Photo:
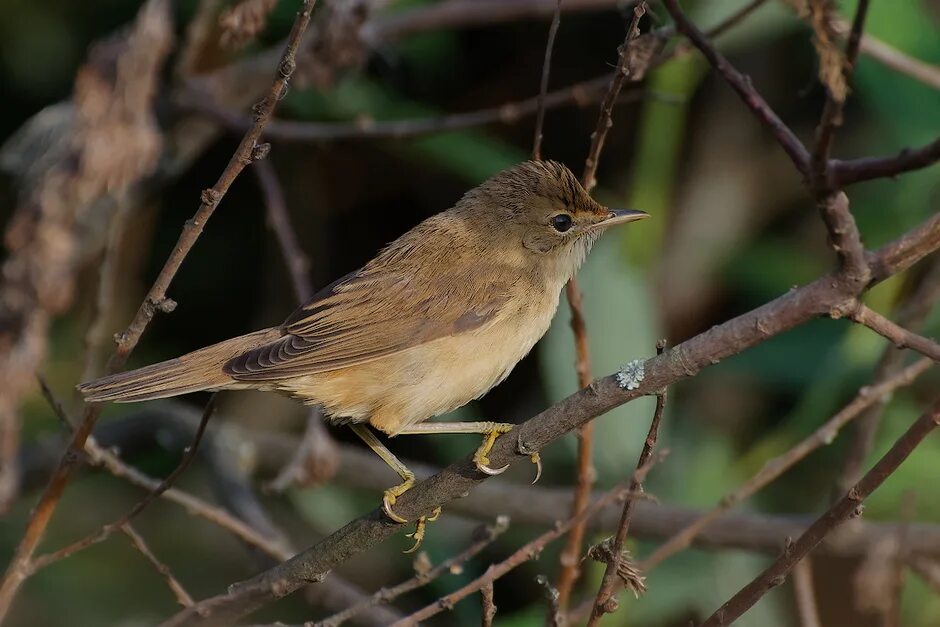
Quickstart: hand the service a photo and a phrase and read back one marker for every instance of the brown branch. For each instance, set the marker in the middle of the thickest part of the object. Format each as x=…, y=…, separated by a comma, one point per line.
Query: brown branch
x=105, y=532
x=797, y=306
x=898, y=335
x=489, y=606
x=528, y=552
x=629, y=65
x=847, y=507
x=742, y=85
x=911, y=314
x=774, y=468
x=805, y=596
x=543, y=86
x=605, y=593
x=853, y=171
x=554, y=618
x=484, y=536
x=179, y=592
x=156, y=299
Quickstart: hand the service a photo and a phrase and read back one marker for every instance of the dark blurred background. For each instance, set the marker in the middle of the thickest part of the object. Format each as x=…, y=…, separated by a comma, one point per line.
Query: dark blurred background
x=732, y=228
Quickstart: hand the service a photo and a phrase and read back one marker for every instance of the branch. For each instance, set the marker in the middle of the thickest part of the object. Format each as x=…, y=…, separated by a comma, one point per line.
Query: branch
x=543, y=86
x=853, y=171
x=899, y=336
x=742, y=85
x=631, y=64
x=774, y=468
x=684, y=360
x=847, y=507
x=485, y=535
x=182, y=597
x=156, y=299
x=806, y=606
x=105, y=532
x=605, y=592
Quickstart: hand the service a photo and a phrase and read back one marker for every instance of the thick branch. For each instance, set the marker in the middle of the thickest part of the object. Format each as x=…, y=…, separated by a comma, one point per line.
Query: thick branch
x=685, y=360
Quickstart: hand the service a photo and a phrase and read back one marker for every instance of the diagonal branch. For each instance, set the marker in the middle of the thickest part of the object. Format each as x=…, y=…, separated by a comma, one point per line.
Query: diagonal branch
x=898, y=335
x=848, y=506
x=868, y=168
x=742, y=85
x=684, y=360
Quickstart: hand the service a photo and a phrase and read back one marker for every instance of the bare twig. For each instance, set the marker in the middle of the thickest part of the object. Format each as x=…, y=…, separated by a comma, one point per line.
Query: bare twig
x=869, y=168
x=485, y=535
x=528, y=552
x=628, y=66
x=848, y=506
x=605, y=593
x=898, y=335
x=182, y=597
x=543, y=86
x=155, y=300
x=742, y=85
x=489, y=607
x=772, y=469
x=911, y=314
x=105, y=532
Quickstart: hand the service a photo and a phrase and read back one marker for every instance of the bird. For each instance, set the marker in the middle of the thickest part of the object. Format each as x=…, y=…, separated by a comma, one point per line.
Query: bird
x=438, y=318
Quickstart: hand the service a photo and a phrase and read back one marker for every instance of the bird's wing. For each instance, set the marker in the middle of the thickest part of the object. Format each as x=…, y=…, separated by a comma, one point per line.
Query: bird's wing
x=368, y=315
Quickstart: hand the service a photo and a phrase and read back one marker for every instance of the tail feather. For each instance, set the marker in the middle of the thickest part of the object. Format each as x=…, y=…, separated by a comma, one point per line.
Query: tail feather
x=193, y=372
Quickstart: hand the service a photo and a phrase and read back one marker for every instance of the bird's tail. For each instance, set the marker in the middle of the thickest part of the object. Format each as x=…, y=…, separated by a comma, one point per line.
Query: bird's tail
x=193, y=372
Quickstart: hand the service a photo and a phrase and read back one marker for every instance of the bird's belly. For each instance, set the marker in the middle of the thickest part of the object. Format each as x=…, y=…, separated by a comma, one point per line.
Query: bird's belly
x=434, y=378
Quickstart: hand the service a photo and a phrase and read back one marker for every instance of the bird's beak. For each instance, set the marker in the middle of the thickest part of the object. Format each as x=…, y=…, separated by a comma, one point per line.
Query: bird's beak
x=620, y=216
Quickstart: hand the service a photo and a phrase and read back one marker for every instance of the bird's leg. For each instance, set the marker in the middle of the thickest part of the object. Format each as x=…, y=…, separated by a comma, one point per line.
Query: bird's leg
x=392, y=494
x=491, y=430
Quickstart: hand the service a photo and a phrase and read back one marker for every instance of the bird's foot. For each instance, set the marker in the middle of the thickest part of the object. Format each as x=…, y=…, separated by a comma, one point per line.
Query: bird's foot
x=480, y=459
x=392, y=494
x=420, y=528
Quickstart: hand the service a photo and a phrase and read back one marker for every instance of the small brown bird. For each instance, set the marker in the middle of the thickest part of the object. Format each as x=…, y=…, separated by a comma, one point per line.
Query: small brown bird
x=438, y=318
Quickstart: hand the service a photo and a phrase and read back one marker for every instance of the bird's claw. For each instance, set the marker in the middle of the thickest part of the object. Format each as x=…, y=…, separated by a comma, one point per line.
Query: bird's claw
x=537, y=460
x=420, y=529
x=387, y=501
x=482, y=464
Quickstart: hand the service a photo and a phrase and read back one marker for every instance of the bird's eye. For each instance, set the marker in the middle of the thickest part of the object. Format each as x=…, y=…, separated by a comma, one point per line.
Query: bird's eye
x=561, y=222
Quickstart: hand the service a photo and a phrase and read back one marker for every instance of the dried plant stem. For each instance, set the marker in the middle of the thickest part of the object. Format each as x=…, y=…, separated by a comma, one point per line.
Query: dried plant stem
x=156, y=299
x=848, y=506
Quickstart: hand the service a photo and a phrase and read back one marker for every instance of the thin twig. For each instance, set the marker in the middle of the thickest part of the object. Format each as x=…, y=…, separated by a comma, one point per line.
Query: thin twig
x=155, y=300
x=847, y=507
x=543, y=86
x=774, y=468
x=911, y=314
x=605, y=592
x=486, y=535
x=571, y=554
x=554, y=618
x=105, y=532
x=869, y=168
x=528, y=552
x=898, y=335
x=182, y=597
x=742, y=85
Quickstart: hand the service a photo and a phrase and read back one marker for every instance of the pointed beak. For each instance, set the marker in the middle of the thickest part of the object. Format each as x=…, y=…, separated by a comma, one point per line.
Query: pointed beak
x=620, y=216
